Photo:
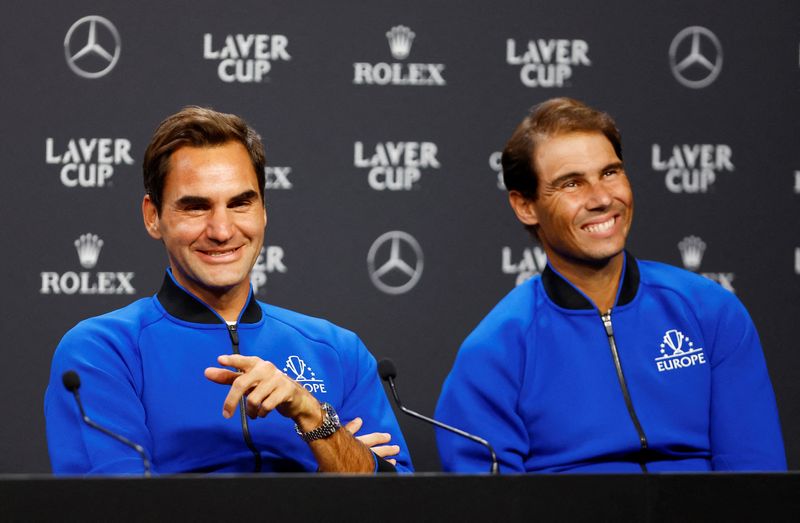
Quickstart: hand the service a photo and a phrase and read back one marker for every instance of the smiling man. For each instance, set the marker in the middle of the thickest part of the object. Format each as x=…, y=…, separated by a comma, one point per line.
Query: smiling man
x=169, y=372
x=604, y=363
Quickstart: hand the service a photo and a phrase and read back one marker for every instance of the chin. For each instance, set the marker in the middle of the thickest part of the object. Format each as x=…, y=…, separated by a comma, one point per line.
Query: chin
x=223, y=281
x=601, y=257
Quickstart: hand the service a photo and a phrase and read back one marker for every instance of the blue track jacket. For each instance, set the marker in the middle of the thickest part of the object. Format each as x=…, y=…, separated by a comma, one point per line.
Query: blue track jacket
x=141, y=369
x=674, y=379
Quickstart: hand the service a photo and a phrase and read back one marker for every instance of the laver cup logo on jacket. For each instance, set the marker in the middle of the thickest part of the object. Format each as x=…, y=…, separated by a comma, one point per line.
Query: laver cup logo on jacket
x=297, y=369
x=678, y=352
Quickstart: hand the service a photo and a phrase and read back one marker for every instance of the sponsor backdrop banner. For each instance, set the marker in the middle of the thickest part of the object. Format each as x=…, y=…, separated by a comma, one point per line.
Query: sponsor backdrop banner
x=383, y=123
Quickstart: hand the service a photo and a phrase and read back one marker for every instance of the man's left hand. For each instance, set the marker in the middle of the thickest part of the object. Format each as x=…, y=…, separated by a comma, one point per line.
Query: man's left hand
x=375, y=441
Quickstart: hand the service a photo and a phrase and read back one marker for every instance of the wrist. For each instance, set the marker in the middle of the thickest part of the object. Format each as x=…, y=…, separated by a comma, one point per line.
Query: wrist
x=311, y=417
x=327, y=427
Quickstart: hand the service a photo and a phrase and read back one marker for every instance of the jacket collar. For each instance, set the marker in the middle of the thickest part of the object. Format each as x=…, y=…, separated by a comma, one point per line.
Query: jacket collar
x=181, y=304
x=567, y=296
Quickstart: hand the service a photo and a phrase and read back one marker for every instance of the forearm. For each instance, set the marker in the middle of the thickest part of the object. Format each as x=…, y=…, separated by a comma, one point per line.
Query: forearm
x=339, y=452
x=342, y=452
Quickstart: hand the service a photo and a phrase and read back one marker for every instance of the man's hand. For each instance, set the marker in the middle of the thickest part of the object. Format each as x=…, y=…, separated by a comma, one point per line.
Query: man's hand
x=267, y=389
x=376, y=441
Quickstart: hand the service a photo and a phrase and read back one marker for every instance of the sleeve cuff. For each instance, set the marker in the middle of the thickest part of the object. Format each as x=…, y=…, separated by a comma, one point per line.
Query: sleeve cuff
x=381, y=465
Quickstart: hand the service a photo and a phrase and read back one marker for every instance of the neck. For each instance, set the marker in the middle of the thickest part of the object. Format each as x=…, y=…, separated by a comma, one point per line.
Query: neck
x=600, y=282
x=227, y=302
x=227, y=305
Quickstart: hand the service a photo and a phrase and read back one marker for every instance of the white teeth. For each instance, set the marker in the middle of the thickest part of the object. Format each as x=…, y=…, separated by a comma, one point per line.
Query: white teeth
x=220, y=253
x=600, y=227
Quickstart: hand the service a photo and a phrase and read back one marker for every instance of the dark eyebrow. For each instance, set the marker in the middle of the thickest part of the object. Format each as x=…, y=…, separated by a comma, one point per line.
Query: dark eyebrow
x=189, y=201
x=614, y=165
x=245, y=196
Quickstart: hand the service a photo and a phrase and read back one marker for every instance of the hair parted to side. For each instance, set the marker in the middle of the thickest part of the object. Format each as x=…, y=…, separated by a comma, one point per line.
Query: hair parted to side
x=545, y=120
x=197, y=127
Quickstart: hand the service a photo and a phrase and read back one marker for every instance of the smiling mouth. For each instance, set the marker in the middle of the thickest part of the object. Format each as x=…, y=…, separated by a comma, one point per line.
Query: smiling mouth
x=600, y=227
x=218, y=254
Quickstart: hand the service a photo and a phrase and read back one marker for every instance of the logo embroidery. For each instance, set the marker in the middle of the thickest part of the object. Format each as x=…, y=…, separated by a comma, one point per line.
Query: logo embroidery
x=298, y=367
x=681, y=355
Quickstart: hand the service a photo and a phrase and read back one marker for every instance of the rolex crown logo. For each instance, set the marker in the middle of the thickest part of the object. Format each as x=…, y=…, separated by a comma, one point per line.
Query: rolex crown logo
x=88, y=246
x=692, y=249
x=400, y=38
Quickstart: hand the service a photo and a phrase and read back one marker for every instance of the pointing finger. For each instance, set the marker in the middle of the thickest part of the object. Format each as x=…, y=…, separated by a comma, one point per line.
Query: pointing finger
x=244, y=363
x=221, y=376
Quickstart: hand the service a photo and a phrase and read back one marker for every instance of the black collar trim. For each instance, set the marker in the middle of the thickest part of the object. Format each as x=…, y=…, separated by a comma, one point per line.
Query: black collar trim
x=565, y=295
x=179, y=303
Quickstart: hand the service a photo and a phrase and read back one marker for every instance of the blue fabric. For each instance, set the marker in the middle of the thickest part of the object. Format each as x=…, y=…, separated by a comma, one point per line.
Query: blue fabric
x=538, y=381
x=142, y=377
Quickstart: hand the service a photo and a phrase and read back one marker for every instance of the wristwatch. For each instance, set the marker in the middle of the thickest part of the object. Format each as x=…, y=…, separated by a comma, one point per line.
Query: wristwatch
x=330, y=424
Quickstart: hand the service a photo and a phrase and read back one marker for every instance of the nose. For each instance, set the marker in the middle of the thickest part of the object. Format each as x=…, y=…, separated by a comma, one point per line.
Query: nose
x=599, y=196
x=220, y=227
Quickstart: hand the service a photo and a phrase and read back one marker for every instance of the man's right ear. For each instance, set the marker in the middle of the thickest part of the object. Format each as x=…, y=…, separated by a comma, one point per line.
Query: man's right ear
x=150, y=216
x=524, y=208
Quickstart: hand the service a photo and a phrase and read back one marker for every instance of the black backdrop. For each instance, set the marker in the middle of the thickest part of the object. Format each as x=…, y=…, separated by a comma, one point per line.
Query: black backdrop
x=711, y=147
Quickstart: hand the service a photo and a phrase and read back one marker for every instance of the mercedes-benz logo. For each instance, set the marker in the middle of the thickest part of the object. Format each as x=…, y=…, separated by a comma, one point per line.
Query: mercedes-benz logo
x=93, y=58
x=397, y=272
x=692, y=63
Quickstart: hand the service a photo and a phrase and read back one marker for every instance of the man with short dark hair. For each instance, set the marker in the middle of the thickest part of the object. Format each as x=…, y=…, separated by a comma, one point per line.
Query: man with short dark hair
x=152, y=371
x=604, y=363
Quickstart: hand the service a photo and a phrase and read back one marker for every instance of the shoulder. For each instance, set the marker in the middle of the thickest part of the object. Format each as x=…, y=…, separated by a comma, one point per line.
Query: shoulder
x=132, y=317
x=109, y=342
x=708, y=298
x=669, y=278
x=516, y=309
x=114, y=328
x=505, y=327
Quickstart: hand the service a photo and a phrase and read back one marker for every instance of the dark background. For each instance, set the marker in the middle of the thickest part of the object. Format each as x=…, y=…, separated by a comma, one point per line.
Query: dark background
x=310, y=114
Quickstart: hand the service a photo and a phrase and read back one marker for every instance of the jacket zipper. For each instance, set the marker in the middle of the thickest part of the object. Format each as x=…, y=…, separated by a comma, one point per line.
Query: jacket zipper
x=623, y=384
x=248, y=440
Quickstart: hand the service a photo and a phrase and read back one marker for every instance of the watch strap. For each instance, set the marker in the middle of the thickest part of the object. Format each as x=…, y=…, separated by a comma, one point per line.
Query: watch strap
x=330, y=424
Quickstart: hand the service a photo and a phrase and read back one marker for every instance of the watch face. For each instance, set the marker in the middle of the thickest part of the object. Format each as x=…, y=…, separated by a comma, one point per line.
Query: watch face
x=332, y=415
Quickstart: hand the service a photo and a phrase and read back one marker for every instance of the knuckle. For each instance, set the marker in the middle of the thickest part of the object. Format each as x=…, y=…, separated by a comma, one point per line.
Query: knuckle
x=265, y=366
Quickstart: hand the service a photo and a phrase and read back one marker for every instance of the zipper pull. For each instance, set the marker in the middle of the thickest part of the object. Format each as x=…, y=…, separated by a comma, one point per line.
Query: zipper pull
x=607, y=323
x=234, y=335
